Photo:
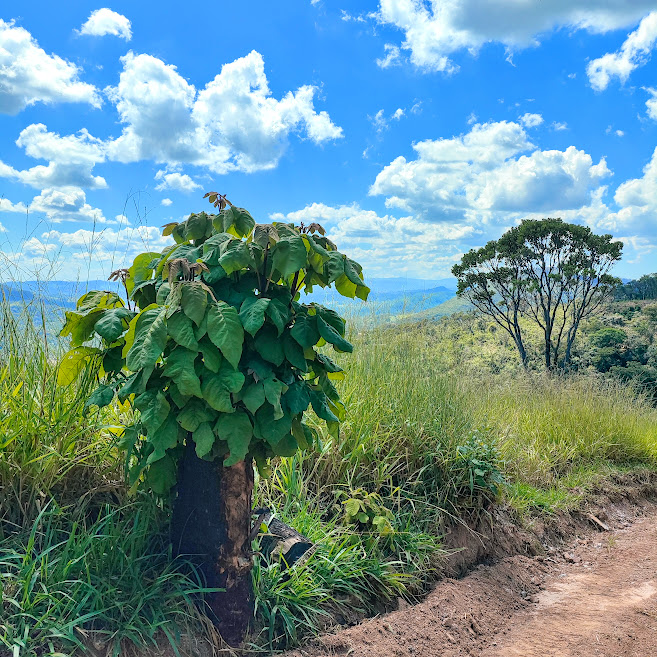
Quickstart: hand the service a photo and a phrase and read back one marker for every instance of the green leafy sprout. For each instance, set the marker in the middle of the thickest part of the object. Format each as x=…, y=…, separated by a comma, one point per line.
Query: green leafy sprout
x=213, y=344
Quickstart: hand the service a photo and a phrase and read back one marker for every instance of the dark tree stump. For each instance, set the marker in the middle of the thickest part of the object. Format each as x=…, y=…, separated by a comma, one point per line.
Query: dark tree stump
x=211, y=525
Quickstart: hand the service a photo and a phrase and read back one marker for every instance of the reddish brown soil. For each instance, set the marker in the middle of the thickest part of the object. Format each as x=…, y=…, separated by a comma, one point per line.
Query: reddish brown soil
x=594, y=597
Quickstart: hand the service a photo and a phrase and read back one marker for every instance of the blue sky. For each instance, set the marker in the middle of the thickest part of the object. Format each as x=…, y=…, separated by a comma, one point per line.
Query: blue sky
x=413, y=131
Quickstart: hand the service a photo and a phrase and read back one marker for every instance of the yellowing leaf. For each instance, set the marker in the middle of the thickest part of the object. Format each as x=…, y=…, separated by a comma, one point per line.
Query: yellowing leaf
x=73, y=362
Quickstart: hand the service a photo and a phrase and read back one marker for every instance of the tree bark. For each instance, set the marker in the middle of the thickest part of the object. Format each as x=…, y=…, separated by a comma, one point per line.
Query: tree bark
x=521, y=350
x=211, y=525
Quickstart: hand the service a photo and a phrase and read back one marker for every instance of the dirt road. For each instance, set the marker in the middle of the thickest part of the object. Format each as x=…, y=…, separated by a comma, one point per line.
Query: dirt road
x=595, y=598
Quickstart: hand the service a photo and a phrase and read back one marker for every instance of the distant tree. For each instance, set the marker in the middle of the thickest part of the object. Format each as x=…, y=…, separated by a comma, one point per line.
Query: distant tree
x=554, y=273
x=642, y=288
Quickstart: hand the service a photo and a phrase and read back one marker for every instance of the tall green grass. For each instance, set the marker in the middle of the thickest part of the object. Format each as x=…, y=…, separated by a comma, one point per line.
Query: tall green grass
x=47, y=443
x=550, y=426
x=108, y=580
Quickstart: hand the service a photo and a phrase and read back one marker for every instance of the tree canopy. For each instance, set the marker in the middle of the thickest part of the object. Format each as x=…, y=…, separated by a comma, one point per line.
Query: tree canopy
x=639, y=289
x=552, y=272
x=213, y=343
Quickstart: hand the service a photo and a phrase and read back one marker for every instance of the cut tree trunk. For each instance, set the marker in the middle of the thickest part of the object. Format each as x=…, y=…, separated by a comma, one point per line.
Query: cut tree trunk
x=211, y=525
x=282, y=542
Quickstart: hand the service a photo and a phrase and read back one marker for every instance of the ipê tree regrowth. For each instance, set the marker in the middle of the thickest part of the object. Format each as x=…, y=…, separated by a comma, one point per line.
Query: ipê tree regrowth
x=214, y=348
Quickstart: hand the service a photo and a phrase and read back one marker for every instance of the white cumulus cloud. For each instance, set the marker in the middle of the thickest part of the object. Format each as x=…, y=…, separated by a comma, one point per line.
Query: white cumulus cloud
x=233, y=123
x=105, y=21
x=85, y=253
x=634, y=52
x=435, y=29
x=70, y=159
x=29, y=75
x=530, y=120
x=66, y=204
x=483, y=175
x=181, y=182
x=386, y=243
x=7, y=206
x=651, y=104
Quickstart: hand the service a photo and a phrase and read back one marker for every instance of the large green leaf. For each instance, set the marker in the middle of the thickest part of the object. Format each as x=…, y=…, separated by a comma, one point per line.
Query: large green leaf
x=203, y=439
x=97, y=299
x=332, y=318
x=265, y=234
x=236, y=430
x=327, y=364
x=320, y=406
x=235, y=220
x=347, y=288
x=286, y=446
x=252, y=314
x=234, y=256
x=113, y=323
x=279, y=313
x=195, y=412
x=268, y=428
x=101, y=396
x=225, y=331
x=290, y=255
x=297, y=398
x=145, y=293
x=113, y=360
x=196, y=226
x=194, y=300
x=212, y=248
x=273, y=390
x=333, y=337
x=211, y=355
x=163, y=294
x=217, y=387
x=73, y=362
x=80, y=326
x=177, y=397
x=140, y=270
x=201, y=330
x=303, y=434
x=155, y=412
x=334, y=266
x=305, y=330
x=179, y=366
x=150, y=338
x=161, y=476
x=180, y=328
x=254, y=396
x=294, y=353
x=243, y=222
x=269, y=346
x=134, y=385
x=216, y=394
x=166, y=437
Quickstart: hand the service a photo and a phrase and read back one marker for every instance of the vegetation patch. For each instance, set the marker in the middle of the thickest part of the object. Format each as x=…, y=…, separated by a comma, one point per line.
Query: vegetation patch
x=443, y=420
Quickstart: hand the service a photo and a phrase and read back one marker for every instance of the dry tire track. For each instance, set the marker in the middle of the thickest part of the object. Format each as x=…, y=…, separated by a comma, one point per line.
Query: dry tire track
x=605, y=605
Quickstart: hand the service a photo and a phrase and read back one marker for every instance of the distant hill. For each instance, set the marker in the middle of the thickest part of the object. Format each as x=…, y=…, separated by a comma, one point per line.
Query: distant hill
x=401, y=284
x=453, y=305
x=383, y=306
x=58, y=294
x=389, y=299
